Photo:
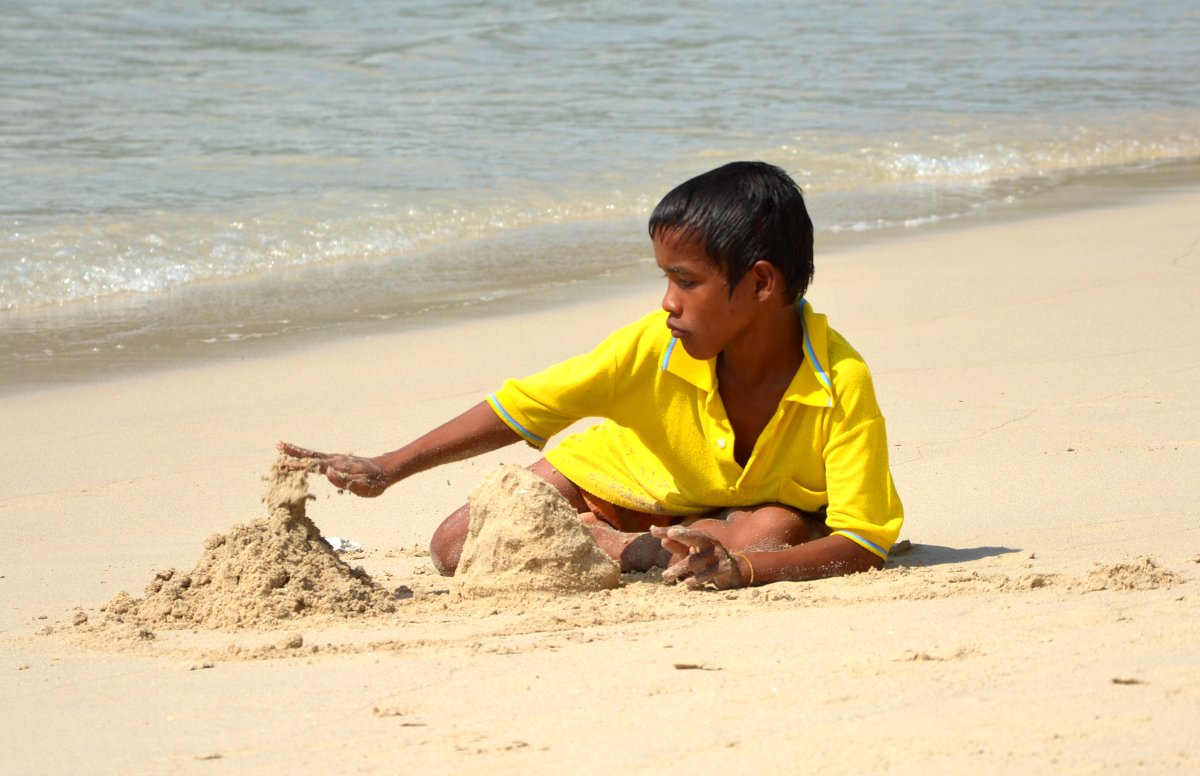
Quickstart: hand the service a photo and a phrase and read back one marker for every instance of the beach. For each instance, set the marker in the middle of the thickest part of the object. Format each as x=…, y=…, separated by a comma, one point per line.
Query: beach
x=1041, y=384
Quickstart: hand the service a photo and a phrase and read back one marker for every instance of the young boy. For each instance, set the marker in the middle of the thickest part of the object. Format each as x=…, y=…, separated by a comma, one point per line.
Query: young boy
x=741, y=442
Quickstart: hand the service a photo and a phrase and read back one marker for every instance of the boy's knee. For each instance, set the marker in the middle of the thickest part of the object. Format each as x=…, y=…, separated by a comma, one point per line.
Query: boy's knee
x=446, y=544
x=779, y=526
x=775, y=526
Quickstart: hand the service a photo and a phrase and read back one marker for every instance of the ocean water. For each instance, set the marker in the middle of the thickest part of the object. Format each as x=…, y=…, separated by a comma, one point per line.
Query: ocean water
x=184, y=181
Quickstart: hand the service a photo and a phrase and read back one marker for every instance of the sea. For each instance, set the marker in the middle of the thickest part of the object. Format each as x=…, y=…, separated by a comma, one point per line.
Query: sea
x=189, y=181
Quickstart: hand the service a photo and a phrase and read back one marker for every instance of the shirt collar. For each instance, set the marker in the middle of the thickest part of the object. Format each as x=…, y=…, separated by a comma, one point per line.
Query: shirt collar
x=811, y=385
x=680, y=363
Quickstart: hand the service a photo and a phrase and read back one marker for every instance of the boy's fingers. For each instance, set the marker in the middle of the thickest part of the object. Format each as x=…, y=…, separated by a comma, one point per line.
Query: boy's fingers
x=295, y=451
x=669, y=544
x=697, y=569
x=690, y=537
x=303, y=453
x=676, y=572
x=302, y=464
x=694, y=573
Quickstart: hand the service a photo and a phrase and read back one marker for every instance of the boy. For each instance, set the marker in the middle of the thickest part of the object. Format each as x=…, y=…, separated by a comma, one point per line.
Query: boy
x=741, y=442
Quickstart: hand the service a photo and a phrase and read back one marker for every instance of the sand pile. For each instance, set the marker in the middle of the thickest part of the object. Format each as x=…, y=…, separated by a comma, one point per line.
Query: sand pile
x=526, y=538
x=258, y=575
x=1142, y=574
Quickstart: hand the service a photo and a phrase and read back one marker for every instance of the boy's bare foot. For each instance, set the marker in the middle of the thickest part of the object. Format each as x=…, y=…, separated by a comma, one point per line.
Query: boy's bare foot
x=634, y=551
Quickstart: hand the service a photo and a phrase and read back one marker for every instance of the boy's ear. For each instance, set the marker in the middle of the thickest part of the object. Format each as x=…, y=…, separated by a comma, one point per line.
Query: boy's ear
x=765, y=276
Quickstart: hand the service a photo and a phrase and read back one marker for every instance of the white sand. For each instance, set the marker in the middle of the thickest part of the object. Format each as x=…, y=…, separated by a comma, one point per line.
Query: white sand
x=526, y=539
x=1041, y=382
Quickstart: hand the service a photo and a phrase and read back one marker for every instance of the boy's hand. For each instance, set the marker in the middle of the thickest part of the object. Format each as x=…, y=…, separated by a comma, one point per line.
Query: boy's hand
x=697, y=559
x=361, y=476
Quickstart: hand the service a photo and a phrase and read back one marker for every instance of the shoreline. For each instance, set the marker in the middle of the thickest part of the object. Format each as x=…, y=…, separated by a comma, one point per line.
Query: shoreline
x=1041, y=384
x=276, y=314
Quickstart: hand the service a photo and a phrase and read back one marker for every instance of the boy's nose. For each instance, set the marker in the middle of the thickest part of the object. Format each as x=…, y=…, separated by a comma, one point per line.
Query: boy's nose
x=669, y=303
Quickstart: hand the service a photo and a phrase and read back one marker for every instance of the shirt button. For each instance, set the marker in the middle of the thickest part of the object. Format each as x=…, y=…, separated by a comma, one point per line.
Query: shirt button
x=721, y=443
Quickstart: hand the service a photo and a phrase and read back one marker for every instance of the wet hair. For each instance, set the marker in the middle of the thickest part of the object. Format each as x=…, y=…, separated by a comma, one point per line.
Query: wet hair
x=742, y=213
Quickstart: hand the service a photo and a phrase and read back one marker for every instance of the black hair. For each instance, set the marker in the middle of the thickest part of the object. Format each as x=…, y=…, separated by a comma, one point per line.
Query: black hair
x=741, y=213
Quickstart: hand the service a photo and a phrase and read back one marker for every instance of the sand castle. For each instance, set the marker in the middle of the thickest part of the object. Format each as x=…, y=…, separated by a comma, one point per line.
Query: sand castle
x=525, y=538
x=260, y=574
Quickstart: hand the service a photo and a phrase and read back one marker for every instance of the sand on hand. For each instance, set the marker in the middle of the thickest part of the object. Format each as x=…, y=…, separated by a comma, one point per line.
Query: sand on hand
x=525, y=537
x=257, y=575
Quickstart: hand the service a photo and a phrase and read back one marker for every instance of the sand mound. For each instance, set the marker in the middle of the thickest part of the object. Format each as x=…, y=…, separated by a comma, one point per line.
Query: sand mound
x=526, y=538
x=1144, y=574
x=258, y=575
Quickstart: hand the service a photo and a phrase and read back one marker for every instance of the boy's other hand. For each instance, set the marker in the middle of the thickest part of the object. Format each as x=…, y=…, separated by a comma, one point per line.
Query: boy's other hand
x=697, y=559
x=361, y=476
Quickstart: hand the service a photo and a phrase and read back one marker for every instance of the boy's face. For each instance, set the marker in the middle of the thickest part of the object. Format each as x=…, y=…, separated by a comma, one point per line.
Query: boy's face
x=702, y=314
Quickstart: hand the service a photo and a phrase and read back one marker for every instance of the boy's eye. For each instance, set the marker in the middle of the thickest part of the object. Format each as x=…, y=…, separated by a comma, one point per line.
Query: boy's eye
x=681, y=282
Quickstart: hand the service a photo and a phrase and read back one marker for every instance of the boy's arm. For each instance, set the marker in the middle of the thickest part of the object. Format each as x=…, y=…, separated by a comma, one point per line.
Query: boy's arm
x=829, y=556
x=478, y=430
x=702, y=560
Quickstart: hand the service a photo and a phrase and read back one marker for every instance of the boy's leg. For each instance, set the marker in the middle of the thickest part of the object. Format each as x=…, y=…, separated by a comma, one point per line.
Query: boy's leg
x=633, y=550
x=623, y=533
x=446, y=544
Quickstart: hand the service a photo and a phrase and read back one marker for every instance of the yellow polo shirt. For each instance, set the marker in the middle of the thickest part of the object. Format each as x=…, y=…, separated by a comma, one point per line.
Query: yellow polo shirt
x=665, y=444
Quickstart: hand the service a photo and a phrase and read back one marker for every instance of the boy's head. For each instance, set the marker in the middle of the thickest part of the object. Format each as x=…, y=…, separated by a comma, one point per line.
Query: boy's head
x=742, y=213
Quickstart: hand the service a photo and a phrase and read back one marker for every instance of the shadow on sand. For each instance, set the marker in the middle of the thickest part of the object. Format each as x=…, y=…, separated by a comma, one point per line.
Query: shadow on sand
x=913, y=555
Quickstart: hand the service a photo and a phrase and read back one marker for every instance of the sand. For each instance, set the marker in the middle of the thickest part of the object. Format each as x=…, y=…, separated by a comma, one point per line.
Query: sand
x=272, y=571
x=526, y=539
x=1041, y=381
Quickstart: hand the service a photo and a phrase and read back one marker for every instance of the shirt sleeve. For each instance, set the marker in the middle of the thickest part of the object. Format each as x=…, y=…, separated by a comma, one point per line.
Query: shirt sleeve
x=539, y=406
x=863, y=503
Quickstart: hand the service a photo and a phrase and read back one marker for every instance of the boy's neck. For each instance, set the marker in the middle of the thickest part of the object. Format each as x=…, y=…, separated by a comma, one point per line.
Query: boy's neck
x=770, y=352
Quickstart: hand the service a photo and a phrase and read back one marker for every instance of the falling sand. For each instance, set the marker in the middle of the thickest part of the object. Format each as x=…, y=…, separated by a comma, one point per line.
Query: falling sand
x=259, y=575
x=525, y=538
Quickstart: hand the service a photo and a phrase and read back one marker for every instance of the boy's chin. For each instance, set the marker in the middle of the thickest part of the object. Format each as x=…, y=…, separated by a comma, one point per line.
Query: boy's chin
x=697, y=350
